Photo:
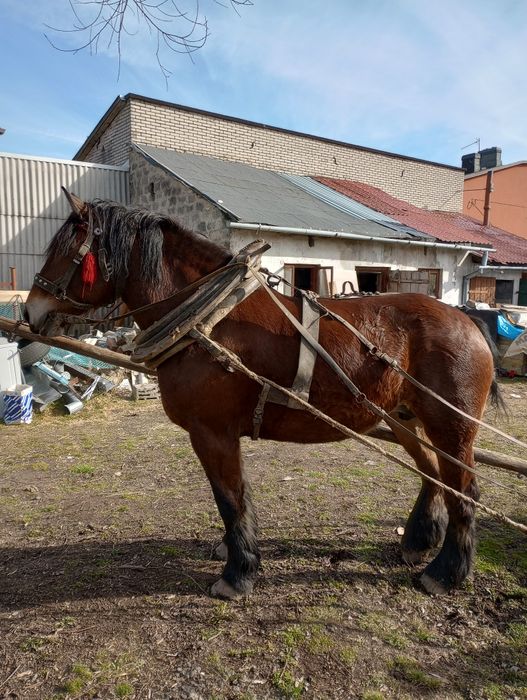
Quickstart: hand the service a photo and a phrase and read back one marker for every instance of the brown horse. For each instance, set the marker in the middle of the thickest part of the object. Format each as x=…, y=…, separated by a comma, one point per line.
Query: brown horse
x=144, y=257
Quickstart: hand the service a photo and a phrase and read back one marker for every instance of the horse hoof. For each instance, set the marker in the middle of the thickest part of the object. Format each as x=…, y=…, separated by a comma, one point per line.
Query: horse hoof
x=413, y=557
x=222, y=589
x=432, y=586
x=221, y=552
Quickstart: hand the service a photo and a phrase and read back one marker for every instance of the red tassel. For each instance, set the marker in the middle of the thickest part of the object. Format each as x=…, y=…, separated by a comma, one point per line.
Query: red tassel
x=89, y=271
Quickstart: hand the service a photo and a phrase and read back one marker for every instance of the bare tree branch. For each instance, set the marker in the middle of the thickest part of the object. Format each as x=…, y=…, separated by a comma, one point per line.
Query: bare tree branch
x=174, y=29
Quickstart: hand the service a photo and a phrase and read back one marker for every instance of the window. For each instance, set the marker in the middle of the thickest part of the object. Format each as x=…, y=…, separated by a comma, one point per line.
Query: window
x=372, y=279
x=315, y=278
x=504, y=289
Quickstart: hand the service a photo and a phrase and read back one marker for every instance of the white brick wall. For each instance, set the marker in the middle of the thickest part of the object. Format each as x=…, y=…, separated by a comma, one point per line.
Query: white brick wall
x=165, y=126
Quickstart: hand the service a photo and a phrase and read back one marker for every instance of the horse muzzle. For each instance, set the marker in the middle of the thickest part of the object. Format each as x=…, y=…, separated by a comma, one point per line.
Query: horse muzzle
x=46, y=323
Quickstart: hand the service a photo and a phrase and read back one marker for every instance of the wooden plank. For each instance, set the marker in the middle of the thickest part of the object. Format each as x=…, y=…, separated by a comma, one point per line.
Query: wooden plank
x=488, y=457
x=483, y=289
x=66, y=343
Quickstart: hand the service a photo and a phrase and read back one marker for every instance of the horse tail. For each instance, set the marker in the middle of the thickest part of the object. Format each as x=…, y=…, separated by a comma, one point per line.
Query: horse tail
x=496, y=395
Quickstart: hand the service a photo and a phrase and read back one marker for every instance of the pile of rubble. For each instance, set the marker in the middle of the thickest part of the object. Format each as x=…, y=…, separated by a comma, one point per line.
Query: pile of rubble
x=51, y=375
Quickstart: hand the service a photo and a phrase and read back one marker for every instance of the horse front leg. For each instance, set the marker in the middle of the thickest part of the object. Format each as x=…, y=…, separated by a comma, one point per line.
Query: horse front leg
x=221, y=458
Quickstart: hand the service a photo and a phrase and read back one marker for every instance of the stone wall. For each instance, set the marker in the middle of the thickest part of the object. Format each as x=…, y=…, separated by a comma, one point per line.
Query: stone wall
x=153, y=188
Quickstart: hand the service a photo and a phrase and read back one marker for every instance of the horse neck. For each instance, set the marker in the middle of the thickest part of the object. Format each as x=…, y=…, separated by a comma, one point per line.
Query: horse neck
x=186, y=258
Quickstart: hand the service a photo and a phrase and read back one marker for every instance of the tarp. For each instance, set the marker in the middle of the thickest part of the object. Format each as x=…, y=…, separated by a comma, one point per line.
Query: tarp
x=507, y=329
x=518, y=346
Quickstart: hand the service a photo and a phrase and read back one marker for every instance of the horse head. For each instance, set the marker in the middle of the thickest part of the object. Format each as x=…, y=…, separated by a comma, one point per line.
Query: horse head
x=75, y=276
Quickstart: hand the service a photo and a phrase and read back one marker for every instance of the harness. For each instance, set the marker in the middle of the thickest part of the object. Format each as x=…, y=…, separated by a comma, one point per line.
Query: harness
x=59, y=287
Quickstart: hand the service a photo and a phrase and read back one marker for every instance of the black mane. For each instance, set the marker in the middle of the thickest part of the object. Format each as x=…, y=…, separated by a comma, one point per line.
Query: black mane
x=120, y=226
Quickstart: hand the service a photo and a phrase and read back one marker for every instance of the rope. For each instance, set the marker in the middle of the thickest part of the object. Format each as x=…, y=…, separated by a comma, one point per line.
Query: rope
x=234, y=361
x=390, y=361
x=357, y=393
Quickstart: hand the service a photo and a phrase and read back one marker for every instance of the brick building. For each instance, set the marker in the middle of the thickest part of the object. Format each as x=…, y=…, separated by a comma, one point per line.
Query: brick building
x=498, y=196
x=143, y=120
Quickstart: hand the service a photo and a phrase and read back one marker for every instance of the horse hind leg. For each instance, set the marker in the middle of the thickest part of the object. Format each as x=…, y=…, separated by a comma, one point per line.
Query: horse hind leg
x=221, y=458
x=427, y=522
x=453, y=563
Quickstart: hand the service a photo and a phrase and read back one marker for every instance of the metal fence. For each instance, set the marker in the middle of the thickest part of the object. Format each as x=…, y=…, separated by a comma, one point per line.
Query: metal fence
x=32, y=206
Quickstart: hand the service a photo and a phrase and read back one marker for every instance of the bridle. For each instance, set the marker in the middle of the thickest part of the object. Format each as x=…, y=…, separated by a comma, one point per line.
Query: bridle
x=58, y=288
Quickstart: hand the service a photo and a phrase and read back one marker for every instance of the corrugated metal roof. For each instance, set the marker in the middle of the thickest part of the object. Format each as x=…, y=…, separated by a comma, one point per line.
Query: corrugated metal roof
x=32, y=206
x=350, y=206
x=253, y=195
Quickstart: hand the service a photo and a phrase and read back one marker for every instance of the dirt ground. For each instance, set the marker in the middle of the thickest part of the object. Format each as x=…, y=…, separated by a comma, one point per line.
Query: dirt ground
x=107, y=530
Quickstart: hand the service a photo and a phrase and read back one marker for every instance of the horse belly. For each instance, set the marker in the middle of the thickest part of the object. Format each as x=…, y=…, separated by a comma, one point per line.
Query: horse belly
x=289, y=425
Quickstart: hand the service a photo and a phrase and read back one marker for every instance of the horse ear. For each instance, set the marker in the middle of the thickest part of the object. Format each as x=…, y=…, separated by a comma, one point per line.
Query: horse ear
x=76, y=204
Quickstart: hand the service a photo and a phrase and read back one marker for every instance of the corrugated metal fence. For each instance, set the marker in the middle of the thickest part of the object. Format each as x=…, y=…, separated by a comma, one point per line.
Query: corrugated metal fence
x=33, y=207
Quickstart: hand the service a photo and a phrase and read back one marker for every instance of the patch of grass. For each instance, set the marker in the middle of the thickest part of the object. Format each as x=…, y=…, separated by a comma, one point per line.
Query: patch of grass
x=221, y=612
x=517, y=633
x=367, y=517
x=372, y=695
x=168, y=550
x=409, y=670
x=39, y=466
x=316, y=474
x=73, y=686
x=293, y=637
x=83, y=469
x=494, y=691
x=81, y=676
x=111, y=669
x=288, y=686
x=348, y=656
x=33, y=644
x=123, y=690
x=340, y=482
x=215, y=661
x=321, y=614
x=500, y=552
x=382, y=627
x=182, y=452
x=367, y=552
x=490, y=556
x=49, y=509
x=66, y=621
x=319, y=642
x=422, y=633
x=129, y=445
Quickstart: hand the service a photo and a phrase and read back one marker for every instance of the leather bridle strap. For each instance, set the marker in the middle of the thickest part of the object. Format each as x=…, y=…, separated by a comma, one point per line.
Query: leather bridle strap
x=59, y=287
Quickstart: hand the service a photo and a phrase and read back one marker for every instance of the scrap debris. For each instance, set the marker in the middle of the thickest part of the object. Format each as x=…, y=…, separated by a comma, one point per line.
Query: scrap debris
x=59, y=376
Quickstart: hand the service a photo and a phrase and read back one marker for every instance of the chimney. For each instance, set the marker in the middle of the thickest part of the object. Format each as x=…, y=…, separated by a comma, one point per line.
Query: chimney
x=471, y=163
x=490, y=158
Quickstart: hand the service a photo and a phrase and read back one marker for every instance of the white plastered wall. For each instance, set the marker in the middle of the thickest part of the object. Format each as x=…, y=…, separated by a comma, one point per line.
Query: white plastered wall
x=345, y=255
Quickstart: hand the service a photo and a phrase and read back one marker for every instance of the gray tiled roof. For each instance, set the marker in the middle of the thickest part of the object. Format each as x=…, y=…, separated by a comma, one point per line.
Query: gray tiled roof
x=253, y=195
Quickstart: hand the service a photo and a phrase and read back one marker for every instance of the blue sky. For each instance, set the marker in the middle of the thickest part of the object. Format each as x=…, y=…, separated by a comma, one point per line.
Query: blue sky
x=416, y=77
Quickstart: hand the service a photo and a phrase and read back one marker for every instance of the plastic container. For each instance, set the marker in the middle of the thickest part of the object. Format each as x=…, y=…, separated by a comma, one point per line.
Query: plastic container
x=18, y=400
x=10, y=369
